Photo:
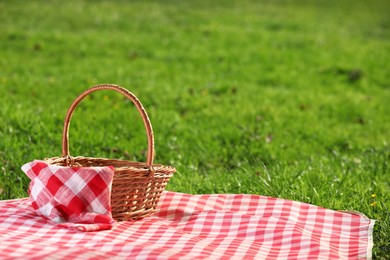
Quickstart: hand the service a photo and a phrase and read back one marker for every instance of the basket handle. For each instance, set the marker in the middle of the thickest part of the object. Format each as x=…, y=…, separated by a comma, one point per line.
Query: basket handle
x=129, y=95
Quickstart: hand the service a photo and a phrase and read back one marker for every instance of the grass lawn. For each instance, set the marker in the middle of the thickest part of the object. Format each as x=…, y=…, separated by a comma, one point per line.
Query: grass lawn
x=286, y=99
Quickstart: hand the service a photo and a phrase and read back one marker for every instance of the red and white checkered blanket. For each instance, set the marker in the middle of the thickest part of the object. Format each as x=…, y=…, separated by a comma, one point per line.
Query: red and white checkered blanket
x=195, y=227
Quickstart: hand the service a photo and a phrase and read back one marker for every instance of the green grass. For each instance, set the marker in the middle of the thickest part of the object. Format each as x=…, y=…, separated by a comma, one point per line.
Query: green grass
x=287, y=99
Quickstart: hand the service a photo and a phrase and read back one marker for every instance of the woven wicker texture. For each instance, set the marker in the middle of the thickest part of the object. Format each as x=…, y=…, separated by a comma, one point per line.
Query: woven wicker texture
x=137, y=186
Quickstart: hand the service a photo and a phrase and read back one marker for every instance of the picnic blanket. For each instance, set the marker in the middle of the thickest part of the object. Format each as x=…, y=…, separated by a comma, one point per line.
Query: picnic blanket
x=218, y=226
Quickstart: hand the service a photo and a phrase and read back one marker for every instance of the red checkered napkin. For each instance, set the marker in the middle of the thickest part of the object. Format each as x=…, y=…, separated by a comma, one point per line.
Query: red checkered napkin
x=73, y=197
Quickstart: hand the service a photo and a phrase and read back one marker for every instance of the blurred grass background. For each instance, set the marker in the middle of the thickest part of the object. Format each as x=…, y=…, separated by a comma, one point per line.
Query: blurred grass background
x=287, y=99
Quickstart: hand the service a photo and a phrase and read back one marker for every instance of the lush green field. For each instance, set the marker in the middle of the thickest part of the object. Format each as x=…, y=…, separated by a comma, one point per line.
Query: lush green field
x=287, y=99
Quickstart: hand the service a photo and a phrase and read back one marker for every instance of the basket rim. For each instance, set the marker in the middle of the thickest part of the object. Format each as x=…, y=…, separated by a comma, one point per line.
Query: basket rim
x=74, y=162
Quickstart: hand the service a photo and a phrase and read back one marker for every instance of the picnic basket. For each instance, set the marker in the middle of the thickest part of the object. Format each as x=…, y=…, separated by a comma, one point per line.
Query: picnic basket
x=136, y=186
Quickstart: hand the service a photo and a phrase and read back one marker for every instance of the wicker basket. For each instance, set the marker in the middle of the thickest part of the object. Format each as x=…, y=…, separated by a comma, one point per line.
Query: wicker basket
x=136, y=186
